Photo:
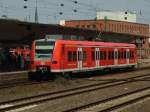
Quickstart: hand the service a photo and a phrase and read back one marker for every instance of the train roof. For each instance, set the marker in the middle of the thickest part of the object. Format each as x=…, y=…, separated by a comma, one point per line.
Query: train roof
x=92, y=43
x=45, y=40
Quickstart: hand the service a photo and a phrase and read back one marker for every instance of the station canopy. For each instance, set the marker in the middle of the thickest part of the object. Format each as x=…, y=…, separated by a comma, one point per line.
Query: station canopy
x=19, y=32
x=14, y=31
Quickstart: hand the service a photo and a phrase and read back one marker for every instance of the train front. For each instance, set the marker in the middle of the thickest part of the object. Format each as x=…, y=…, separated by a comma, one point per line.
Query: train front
x=41, y=54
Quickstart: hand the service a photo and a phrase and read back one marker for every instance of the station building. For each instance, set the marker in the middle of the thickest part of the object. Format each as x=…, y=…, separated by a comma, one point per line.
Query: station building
x=118, y=27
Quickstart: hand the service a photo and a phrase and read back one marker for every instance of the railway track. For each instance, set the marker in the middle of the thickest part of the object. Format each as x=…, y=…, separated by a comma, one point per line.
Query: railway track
x=18, y=103
x=114, y=103
x=20, y=82
x=11, y=79
x=25, y=81
x=15, y=72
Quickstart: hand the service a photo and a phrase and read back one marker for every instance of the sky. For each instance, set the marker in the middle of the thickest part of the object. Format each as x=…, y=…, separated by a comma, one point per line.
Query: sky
x=49, y=10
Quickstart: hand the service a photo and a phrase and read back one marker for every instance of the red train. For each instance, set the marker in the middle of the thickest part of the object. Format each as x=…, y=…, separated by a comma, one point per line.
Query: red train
x=63, y=56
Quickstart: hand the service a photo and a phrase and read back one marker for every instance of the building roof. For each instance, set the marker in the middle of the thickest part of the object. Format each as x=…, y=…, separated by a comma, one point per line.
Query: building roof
x=19, y=31
x=14, y=31
x=105, y=20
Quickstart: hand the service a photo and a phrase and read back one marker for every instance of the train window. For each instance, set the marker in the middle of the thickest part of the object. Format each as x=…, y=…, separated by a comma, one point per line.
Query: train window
x=98, y=55
x=84, y=55
x=74, y=55
x=43, y=51
x=101, y=55
x=125, y=55
x=40, y=43
x=118, y=54
x=93, y=55
x=104, y=56
x=131, y=54
x=121, y=55
x=69, y=56
x=109, y=55
x=112, y=55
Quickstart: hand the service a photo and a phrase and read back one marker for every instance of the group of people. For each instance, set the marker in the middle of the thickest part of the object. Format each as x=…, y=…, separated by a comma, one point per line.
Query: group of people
x=13, y=60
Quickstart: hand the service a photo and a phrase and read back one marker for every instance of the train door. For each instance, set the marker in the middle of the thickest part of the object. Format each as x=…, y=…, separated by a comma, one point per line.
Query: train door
x=92, y=57
x=116, y=56
x=127, y=55
x=121, y=56
x=97, y=57
x=85, y=60
x=103, y=57
x=124, y=56
x=79, y=59
x=132, y=55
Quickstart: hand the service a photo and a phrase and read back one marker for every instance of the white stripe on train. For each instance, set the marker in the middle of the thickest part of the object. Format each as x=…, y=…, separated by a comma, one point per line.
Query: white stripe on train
x=93, y=68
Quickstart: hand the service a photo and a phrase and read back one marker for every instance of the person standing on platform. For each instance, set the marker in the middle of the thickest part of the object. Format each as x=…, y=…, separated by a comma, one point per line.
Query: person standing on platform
x=21, y=61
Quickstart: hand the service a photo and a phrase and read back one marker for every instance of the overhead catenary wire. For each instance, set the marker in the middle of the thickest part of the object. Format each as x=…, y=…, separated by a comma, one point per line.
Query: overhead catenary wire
x=68, y=12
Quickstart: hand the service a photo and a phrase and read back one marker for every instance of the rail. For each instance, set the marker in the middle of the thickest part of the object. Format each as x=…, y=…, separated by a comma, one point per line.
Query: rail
x=17, y=103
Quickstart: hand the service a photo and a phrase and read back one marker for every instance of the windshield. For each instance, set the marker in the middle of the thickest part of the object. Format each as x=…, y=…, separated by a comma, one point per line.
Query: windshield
x=44, y=49
x=45, y=43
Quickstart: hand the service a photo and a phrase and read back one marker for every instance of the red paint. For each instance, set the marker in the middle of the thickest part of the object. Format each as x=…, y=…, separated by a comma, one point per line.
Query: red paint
x=63, y=48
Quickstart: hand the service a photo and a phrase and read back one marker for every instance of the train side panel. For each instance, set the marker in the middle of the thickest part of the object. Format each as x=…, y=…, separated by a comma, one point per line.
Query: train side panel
x=133, y=57
x=56, y=59
x=103, y=57
x=32, y=53
x=69, y=58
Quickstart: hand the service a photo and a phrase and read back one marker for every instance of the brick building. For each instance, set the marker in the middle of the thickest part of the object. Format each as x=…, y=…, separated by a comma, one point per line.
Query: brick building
x=122, y=31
